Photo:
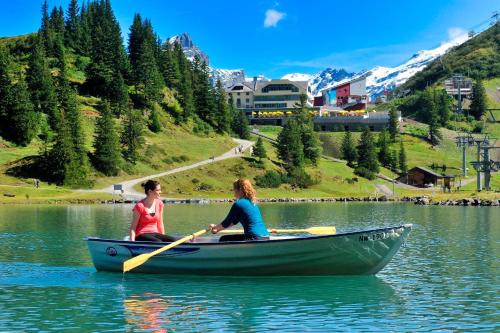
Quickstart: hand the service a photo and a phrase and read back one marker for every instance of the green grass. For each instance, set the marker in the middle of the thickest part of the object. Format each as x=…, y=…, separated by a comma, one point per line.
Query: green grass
x=48, y=194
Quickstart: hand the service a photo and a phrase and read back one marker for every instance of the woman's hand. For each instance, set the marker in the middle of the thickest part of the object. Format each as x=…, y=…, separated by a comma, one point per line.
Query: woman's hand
x=215, y=228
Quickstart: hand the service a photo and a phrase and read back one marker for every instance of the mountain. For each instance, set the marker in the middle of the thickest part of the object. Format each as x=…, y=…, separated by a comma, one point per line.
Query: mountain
x=477, y=58
x=228, y=77
x=380, y=79
x=188, y=47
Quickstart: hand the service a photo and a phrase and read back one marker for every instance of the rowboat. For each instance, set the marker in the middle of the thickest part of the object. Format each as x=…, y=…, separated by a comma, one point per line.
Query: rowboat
x=351, y=253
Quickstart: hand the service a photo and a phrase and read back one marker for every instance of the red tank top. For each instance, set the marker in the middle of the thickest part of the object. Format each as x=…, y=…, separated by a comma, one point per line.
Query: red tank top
x=148, y=223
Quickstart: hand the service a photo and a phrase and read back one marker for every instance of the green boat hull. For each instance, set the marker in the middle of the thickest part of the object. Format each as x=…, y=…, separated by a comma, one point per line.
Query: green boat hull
x=354, y=253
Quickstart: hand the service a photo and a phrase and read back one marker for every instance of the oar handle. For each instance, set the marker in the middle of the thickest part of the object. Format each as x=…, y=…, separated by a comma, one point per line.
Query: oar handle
x=142, y=258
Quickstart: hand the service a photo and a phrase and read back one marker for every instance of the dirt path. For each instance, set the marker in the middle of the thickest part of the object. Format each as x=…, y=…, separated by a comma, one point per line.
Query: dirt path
x=128, y=186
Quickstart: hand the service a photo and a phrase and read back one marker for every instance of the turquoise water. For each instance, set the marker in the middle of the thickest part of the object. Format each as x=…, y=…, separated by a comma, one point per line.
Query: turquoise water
x=445, y=278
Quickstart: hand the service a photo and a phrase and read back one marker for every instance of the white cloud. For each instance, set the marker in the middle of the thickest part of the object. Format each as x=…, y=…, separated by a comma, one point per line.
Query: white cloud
x=456, y=35
x=273, y=17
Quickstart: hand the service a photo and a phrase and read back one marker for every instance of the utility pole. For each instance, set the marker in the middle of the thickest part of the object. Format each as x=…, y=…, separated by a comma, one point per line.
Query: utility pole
x=464, y=141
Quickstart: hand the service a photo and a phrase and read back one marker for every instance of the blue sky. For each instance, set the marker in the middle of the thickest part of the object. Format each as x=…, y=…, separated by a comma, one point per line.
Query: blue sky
x=279, y=37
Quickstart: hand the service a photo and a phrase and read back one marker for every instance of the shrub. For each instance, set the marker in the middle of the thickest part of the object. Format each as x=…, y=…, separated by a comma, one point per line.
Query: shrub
x=300, y=178
x=364, y=172
x=205, y=187
x=271, y=179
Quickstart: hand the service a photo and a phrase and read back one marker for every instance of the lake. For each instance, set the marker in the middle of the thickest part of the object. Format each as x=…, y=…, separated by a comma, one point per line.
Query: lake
x=445, y=278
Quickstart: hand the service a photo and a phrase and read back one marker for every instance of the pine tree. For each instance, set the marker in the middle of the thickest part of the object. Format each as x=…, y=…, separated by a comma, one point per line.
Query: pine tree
x=384, y=154
x=72, y=25
x=5, y=86
x=393, y=123
x=45, y=32
x=349, y=152
x=444, y=107
x=108, y=57
x=22, y=120
x=403, y=167
x=478, y=103
x=60, y=158
x=169, y=67
x=289, y=145
x=135, y=41
x=367, y=155
x=150, y=83
x=84, y=42
x=309, y=138
x=203, y=96
x=393, y=160
x=132, y=135
x=258, y=150
x=185, y=87
x=429, y=107
x=154, y=122
x=434, y=133
x=240, y=125
x=57, y=21
x=222, y=115
x=41, y=85
x=107, y=157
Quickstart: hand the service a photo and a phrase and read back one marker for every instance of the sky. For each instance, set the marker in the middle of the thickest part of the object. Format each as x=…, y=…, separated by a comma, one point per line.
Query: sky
x=274, y=38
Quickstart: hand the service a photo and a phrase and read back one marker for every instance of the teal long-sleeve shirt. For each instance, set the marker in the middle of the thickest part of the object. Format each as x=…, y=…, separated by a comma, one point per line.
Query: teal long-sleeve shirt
x=248, y=214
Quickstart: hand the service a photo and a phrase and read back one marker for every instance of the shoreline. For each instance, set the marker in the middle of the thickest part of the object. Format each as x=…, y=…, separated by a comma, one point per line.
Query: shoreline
x=422, y=200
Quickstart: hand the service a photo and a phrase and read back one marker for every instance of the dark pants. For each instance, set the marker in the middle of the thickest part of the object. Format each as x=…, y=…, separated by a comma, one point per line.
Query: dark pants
x=155, y=237
x=240, y=238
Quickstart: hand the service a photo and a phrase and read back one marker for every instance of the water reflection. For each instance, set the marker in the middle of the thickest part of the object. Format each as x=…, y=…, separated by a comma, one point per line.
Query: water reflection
x=251, y=305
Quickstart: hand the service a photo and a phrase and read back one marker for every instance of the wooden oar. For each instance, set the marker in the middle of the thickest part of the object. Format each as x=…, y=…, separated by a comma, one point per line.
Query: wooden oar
x=142, y=258
x=312, y=230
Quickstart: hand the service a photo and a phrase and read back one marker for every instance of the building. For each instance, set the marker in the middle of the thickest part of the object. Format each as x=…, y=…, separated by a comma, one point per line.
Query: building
x=347, y=95
x=422, y=177
x=458, y=85
x=269, y=95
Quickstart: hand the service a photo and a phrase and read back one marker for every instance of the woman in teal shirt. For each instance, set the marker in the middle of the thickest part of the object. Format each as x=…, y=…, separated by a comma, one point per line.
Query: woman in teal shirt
x=243, y=211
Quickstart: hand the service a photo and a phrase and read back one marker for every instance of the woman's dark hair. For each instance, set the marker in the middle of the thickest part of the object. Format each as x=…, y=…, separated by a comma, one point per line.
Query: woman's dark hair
x=150, y=185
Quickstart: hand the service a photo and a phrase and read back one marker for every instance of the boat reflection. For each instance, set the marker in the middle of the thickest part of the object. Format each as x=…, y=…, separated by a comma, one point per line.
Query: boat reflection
x=165, y=303
x=146, y=312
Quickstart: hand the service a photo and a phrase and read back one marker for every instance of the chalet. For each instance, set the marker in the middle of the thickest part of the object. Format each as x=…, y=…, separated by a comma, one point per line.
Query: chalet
x=422, y=177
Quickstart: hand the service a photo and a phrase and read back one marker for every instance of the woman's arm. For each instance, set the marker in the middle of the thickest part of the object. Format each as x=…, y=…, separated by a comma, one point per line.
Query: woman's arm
x=161, y=226
x=230, y=220
x=133, y=226
x=216, y=228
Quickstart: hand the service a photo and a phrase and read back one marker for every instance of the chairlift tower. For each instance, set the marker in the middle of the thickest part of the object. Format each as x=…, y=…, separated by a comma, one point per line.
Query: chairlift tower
x=487, y=165
x=457, y=82
x=464, y=141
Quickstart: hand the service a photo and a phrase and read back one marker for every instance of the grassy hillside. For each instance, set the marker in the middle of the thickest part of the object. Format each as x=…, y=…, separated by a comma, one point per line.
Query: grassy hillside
x=478, y=58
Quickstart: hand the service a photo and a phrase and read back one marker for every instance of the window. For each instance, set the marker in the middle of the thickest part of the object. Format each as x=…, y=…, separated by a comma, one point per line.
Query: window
x=238, y=88
x=279, y=87
x=238, y=94
x=238, y=102
x=247, y=93
x=248, y=100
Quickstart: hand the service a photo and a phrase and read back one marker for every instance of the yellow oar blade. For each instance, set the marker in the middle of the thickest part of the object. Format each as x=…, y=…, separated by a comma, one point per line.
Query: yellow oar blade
x=141, y=259
x=312, y=230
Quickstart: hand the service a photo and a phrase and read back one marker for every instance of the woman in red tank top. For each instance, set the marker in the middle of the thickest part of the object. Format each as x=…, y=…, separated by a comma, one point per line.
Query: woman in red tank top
x=147, y=223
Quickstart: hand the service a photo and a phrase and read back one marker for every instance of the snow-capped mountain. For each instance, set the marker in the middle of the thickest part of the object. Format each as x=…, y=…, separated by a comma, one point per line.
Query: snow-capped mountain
x=228, y=77
x=380, y=79
x=188, y=47
x=297, y=77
